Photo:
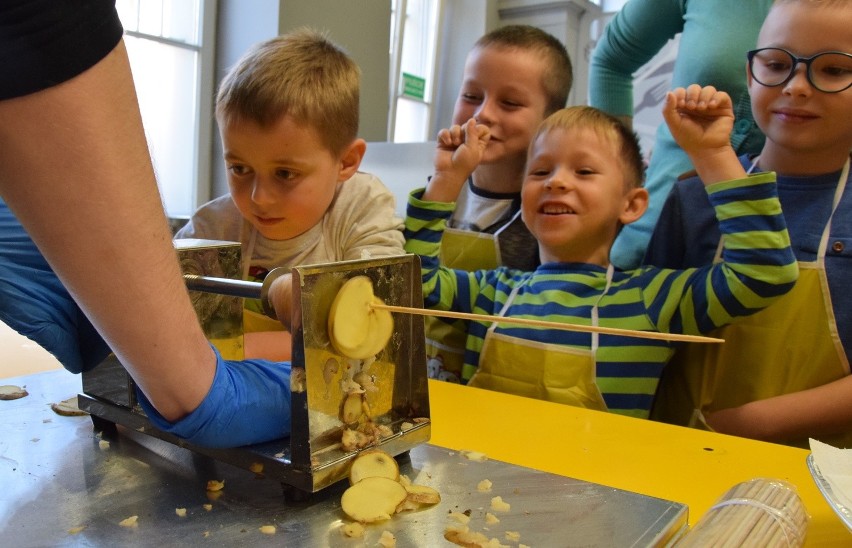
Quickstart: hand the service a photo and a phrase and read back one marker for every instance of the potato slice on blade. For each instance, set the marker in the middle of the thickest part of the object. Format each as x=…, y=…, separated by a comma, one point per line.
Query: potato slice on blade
x=355, y=328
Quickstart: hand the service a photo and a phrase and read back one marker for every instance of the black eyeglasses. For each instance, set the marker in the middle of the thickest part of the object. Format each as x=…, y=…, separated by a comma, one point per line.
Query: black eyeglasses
x=828, y=71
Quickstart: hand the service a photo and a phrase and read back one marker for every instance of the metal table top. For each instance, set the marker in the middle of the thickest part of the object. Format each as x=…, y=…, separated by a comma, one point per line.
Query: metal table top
x=56, y=475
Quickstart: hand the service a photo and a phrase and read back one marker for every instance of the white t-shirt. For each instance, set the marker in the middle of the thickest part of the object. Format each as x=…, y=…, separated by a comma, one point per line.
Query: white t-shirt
x=360, y=223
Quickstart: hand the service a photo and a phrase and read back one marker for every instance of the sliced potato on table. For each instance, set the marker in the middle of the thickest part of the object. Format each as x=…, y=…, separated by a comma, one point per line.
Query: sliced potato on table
x=68, y=408
x=376, y=463
x=355, y=328
x=12, y=392
x=378, y=490
x=372, y=499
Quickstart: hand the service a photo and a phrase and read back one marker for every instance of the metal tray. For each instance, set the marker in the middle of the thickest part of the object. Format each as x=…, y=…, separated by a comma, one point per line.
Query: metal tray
x=844, y=513
x=57, y=476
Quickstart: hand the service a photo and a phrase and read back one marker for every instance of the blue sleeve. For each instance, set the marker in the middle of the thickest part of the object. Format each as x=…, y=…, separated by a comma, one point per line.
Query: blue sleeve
x=631, y=39
x=34, y=302
x=248, y=403
x=667, y=247
x=687, y=232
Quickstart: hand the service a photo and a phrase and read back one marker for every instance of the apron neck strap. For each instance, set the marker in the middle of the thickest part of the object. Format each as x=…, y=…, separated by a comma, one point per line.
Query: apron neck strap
x=838, y=194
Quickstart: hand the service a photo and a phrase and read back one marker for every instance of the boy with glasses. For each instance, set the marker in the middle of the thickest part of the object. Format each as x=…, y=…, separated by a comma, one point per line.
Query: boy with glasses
x=783, y=374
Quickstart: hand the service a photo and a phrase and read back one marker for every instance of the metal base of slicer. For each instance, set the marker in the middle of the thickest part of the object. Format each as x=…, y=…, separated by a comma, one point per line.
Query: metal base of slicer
x=312, y=457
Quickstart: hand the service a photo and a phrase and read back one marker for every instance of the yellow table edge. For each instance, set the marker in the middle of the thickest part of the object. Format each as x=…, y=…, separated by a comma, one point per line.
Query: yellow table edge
x=679, y=464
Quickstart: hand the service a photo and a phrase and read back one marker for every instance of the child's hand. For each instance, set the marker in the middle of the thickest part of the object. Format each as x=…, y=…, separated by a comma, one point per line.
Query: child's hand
x=460, y=149
x=281, y=298
x=700, y=118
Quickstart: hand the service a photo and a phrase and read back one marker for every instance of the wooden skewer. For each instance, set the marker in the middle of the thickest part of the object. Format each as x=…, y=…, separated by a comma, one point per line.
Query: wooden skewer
x=744, y=523
x=552, y=325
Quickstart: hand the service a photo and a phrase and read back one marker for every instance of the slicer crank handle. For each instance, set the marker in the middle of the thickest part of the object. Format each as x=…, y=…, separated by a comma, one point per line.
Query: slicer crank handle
x=223, y=286
x=238, y=288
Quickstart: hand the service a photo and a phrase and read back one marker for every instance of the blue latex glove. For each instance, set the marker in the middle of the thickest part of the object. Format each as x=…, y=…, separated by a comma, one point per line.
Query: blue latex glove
x=34, y=302
x=248, y=403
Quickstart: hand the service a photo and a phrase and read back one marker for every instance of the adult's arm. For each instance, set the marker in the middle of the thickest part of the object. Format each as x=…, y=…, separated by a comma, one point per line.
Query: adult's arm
x=76, y=172
x=820, y=411
x=631, y=38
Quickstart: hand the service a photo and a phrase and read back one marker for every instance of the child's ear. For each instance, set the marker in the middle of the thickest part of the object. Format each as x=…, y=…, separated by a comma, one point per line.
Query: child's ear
x=350, y=159
x=635, y=204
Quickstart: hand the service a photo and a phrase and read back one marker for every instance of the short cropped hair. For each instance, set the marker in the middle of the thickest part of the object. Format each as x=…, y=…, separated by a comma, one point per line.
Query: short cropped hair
x=559, y=75
x=608, y=128
x=301, y=74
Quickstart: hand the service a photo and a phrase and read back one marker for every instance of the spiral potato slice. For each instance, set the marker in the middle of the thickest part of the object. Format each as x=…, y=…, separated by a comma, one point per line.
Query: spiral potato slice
x=355, y=328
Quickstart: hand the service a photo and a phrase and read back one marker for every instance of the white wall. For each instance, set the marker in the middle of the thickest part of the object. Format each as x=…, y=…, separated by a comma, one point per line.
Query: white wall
x=240, y=24
x=402, y=167
x=464, y=22
x=362, y=28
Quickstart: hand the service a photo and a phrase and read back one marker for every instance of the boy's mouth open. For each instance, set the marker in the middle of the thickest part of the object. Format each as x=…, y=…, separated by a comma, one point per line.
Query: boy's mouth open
x=555, y=209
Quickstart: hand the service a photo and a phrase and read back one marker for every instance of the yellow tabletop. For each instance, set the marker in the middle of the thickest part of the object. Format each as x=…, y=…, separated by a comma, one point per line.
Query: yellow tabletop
x=659, y=460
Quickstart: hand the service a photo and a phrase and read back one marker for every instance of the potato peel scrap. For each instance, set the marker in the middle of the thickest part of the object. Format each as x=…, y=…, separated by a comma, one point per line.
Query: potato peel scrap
x=132, y=521
x=499, y=505
x=463, y=536
x=475, y=456
x=387, y=540
x=484, y=486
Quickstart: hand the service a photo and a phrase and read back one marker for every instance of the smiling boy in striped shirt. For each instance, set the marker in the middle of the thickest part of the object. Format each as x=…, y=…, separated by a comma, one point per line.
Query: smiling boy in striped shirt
x=583, y=183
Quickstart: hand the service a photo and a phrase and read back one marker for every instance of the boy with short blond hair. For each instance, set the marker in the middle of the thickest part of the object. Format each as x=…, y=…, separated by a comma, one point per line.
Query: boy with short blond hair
x=783, y=375
x=303, y=75
x=288, y=118
x=514, y=77
x=583, y=182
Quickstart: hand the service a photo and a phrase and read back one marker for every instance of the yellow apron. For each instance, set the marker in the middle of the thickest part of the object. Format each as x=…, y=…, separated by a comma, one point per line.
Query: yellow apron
x=462, y=250
x=790, y=346
x=544, y=371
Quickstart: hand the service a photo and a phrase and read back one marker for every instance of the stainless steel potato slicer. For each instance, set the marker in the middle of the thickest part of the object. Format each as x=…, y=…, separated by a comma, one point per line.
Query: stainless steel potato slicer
x=392, y=388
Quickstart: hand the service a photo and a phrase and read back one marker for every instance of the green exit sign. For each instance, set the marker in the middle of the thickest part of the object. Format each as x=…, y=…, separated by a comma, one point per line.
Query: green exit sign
x=413, y=86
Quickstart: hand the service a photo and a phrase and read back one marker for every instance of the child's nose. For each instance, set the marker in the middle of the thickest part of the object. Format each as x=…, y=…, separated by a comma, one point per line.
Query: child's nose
x=261, y=191
x=558, y=180
x=485, y=113
x=799, y=84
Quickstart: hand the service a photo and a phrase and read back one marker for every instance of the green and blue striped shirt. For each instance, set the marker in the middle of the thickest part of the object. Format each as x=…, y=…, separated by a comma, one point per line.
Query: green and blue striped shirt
x=758, y=266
